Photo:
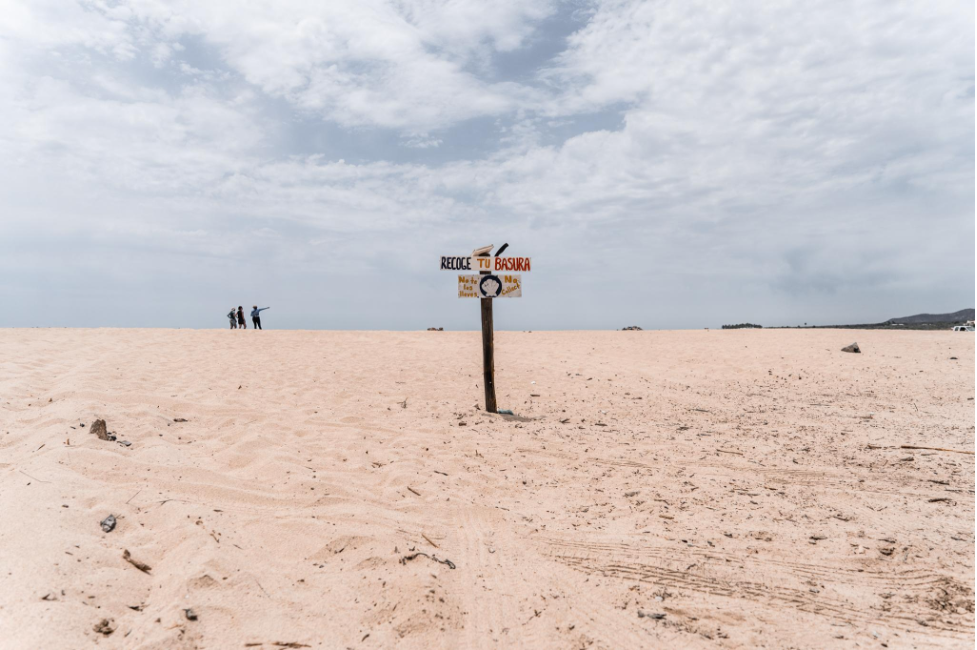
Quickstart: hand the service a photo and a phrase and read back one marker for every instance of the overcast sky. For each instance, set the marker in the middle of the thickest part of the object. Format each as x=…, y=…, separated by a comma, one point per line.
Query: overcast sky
x=665, y=164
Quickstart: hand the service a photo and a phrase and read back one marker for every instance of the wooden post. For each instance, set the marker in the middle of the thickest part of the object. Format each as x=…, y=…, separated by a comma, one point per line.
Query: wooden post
x=488, y=354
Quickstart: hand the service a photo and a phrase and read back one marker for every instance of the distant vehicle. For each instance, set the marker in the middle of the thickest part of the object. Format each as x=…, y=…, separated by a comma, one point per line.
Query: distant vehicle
x=963, y=328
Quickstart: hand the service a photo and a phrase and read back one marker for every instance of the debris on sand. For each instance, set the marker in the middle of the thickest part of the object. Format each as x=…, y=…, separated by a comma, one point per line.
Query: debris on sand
x=631, y=328
x=412, y=556
x=142, y=566
x=98, y=428
x=955, y=451
x=191, y=615
x=852, y=348
x=105, y=626
x=180, y=420
x=653, y=615
x=108, y=524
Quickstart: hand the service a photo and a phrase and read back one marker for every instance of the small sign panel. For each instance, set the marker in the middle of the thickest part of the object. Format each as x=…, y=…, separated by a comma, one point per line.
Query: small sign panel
x=503, y=285
x=493, y=264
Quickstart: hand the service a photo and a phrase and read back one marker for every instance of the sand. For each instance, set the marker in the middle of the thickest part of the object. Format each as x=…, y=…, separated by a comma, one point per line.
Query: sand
x=708, y=489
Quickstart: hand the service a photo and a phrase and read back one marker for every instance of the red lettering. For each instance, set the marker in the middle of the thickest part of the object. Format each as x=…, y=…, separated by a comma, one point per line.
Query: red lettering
x=509, y=264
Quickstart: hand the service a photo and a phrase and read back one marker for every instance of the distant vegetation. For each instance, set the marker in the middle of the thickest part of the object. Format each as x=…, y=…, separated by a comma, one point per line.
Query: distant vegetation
x=743, y=326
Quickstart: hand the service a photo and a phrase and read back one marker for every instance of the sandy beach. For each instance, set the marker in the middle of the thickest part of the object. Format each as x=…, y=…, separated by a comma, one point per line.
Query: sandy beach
x=698, y=489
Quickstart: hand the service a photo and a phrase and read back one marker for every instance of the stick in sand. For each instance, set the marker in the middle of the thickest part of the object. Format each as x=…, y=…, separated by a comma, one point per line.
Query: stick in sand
x=955, y=451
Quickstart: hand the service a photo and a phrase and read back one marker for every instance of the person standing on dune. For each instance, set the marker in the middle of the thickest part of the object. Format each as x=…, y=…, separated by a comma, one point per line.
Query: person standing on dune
x=256, y=316
x=232, y=316
x=241, y=323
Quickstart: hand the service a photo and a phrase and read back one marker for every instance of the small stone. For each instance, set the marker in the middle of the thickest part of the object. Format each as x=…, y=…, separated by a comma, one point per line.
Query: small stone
x=191, y=615
x=98, y=428
x=105, y=626
x=852, y=348
x=108, y=524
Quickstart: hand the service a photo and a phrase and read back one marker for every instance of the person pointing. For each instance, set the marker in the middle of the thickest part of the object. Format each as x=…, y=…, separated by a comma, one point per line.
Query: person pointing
x=256, y=316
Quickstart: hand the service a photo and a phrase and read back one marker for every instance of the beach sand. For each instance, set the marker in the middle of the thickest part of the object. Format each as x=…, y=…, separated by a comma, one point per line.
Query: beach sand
x=692, y=489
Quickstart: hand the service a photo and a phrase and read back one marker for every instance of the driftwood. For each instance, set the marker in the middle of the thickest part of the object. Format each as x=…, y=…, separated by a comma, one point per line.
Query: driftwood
x=955, y=451
x=408, y=558
x=142, y=566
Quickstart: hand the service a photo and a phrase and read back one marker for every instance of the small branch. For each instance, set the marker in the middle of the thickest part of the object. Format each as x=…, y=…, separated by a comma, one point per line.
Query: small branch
x=955, y=451
x=142, y=566
x=408, y=558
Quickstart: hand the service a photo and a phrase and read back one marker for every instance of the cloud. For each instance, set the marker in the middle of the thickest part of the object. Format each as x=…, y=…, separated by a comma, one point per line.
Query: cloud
x=390, y=64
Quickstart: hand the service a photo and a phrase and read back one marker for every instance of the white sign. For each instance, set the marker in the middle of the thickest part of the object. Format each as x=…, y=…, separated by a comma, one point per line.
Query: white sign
x=503, y=285
x=485, y=263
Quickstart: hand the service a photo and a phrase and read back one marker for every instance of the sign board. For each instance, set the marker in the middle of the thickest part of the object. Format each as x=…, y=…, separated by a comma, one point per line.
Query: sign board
x=493, y=264
x=504, y=285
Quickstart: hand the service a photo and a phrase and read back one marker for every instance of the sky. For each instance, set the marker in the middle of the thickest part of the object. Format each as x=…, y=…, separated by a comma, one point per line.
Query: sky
x=667, y=164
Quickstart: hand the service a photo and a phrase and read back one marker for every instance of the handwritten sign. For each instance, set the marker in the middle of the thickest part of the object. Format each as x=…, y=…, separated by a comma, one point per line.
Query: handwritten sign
x=503, y=285
x=492, y=264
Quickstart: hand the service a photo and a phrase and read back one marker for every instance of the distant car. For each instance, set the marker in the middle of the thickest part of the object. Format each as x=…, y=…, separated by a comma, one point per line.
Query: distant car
x=963, y=328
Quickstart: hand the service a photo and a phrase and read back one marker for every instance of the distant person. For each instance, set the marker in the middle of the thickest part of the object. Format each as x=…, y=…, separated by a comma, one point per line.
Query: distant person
x=256, y=316
x=232, y=316
x=241, y=323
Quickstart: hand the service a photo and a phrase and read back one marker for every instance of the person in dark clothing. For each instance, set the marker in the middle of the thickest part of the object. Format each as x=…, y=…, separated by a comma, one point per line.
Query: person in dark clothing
x=256, y=316
x=241, y=323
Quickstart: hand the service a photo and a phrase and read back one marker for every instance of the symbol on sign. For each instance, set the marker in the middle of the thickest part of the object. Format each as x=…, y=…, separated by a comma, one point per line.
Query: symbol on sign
x=490, y=286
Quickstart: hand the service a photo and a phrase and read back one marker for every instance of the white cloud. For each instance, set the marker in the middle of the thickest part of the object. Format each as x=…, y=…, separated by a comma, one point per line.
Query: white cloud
x=44, y=24
x=390, y=64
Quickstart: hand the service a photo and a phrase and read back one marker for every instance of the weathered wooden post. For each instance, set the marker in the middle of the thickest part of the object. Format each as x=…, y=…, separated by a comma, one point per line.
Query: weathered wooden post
x=488, y=351
x=494, y=280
